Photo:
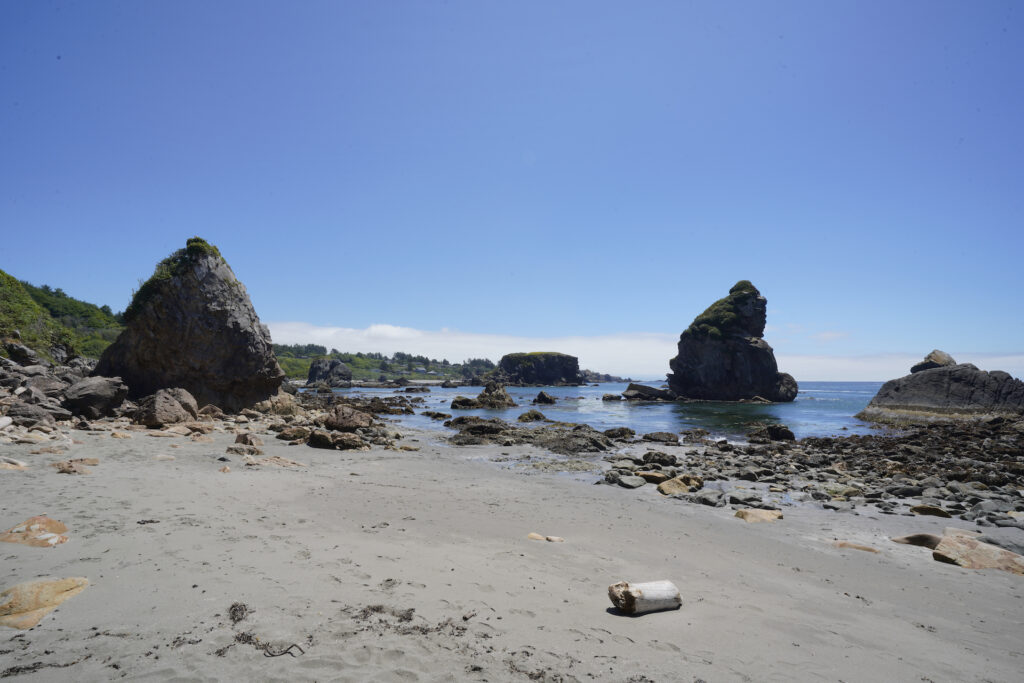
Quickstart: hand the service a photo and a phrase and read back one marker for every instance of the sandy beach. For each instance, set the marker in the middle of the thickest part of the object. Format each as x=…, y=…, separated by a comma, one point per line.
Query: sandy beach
x=391, y=565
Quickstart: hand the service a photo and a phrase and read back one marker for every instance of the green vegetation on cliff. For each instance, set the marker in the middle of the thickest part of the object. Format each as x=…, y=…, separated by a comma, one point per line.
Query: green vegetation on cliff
x=295, y=360
x=174, y=265
x=721, y=317
x=20, y=313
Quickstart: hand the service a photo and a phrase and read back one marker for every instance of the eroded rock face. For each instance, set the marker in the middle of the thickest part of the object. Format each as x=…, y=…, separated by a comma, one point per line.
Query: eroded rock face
x=192, y=326
x=331, y=372
x=946, y=391
x=540, y=368
x=722, y=355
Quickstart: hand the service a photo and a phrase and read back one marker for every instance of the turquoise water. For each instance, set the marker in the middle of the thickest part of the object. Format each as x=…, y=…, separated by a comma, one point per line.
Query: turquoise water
x=820, y=409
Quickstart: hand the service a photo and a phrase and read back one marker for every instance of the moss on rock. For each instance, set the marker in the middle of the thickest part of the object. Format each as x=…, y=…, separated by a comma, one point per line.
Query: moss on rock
x=175, y=265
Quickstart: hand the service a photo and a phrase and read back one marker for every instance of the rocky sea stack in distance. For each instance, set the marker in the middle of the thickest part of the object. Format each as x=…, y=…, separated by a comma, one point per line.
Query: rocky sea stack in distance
x=722, y=356
x=939, y=388
x=191, y=325
x=539, y=368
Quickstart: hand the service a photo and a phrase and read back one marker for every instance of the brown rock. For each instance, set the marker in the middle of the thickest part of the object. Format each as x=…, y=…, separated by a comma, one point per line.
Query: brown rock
x=754, y=515
x=24, y=605
x=963, y=549
x=249, y=439
x=294, y=433
x=39, y=532
x=654, y=477
x=685, y=483
x=244, y=450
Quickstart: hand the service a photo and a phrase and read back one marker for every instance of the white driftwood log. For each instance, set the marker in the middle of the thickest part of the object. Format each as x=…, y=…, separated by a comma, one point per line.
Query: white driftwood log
x=640, y=598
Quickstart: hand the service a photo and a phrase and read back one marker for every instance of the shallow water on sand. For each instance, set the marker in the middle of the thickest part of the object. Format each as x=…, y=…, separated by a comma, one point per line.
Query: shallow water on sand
x=820, y=409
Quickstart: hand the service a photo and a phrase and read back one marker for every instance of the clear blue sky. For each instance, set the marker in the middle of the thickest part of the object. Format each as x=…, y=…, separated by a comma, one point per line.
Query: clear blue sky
x=539, y=169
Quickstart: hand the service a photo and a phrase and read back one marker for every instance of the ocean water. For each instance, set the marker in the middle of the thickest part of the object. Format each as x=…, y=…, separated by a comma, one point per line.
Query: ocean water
x=820, y=409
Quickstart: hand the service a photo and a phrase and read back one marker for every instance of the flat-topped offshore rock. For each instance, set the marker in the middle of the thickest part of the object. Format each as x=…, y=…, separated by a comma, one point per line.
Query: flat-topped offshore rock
x=722, y=356
x=539, y=368
x=192, y=325
x=943, y=391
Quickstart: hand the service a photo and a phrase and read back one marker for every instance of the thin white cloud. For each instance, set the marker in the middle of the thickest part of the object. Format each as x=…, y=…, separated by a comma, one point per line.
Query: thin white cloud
x=636, y=354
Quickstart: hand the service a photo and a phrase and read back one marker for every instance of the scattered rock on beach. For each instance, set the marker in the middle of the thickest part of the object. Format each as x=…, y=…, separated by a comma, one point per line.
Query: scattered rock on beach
x=24, y=605
x=753, y=515
x=165, y=407
x=95, y=397
x=39, y=531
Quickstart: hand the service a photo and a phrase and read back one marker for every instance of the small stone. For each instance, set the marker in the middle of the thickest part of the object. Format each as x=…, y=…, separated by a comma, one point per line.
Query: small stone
x=631, y=482
x=535, y=537
x=930, y=510
x=224, y=469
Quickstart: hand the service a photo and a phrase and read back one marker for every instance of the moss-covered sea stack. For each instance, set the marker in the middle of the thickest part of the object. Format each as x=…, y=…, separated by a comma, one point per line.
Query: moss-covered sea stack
x=722, y=356
x=191, y=325
x=539, y=368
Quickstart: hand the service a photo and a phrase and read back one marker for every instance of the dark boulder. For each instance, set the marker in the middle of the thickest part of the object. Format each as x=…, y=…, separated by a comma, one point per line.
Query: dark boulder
x=544, y=399
x=539, y=368
x=722, y=356
x=192, y=325
x=329, y=371
x=642, y=392
x=95, y=397
x=494, y=396
x=26, y=414
x=532, y=416
x=347, y=419
x=166, y=406
x=771, y=432
x=21, y=354
x=946, y=392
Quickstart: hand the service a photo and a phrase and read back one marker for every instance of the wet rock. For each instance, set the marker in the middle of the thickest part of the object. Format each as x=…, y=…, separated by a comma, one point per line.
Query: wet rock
x=544, y=398
x=642, y=392
x=622, y=433
x=532, y=416
x=330, y=372
x=661, y=437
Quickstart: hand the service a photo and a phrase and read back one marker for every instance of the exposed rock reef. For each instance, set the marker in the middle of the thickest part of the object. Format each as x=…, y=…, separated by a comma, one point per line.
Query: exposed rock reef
x=938, y=388
x=539, y=368
x=191, y=325
x=331, y=372
x=723, y=357
x=493, y=396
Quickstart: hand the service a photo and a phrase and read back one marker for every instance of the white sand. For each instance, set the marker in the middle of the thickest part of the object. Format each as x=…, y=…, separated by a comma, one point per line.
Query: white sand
x=443, y=532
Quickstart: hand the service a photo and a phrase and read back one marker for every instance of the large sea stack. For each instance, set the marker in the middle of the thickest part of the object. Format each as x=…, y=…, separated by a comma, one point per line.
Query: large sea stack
x=939, y=388
x=722, y=356
x=191, y=325
x=539, y=368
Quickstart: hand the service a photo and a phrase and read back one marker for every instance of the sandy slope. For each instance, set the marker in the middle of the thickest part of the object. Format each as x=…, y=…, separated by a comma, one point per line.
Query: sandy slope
x=333, y=556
